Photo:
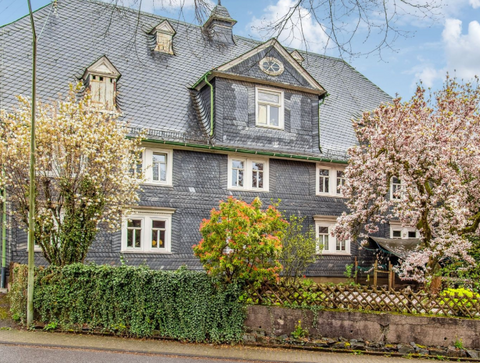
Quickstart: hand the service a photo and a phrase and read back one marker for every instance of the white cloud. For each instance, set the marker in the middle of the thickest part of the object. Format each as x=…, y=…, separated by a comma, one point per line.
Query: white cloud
x=428, y=75
x=301, y=29
x=475, y=3
x=462, y=50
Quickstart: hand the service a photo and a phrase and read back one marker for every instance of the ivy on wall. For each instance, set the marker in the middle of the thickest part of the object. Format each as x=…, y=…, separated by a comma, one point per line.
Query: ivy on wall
x=133, y=301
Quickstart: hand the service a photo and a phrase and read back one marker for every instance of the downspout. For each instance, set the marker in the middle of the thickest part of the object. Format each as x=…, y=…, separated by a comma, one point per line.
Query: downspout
x=320, y=104
x=211, y=104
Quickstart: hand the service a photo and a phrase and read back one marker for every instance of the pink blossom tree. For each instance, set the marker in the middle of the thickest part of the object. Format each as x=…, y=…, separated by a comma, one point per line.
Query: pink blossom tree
x=432, y=145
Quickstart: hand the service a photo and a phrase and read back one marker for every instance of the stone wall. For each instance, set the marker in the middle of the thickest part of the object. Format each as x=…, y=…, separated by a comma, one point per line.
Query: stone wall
x=380, y=327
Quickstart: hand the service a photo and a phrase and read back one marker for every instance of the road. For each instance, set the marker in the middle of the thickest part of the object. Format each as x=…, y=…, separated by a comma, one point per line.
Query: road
x=21, y=353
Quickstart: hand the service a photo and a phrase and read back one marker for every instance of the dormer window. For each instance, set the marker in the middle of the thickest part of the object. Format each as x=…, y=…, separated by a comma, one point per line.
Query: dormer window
x=269, y=108
x=164, y=37
x=101, y=79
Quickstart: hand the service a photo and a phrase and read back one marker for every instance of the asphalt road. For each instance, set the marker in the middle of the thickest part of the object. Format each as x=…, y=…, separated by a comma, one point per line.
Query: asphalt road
x=22, y=354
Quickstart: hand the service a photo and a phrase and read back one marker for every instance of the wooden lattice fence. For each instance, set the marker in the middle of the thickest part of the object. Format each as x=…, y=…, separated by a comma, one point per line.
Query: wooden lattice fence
x=366, y=298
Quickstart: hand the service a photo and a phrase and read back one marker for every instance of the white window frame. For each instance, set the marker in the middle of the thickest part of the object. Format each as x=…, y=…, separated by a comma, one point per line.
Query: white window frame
x=398, y=185
x=147, y=166
x=281, y=105
x=332, y=180
x=394, y=226
x=329, y=221
x=248, y=173
x=147, y=218
x=108, y=87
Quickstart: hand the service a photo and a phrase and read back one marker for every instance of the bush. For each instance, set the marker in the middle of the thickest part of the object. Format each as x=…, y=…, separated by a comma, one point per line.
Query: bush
x=241, y=242
x=460, y=299
x=133, y=301
x=298, y=249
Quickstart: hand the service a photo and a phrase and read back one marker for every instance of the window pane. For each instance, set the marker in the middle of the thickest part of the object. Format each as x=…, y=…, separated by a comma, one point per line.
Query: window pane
x=412, y=234
x=269, y=97
x=161, y=241
x=129, y=238
x=158, y=224
x=138, y=235
x=154, y=238
x=325, y=242
x=236, y=164
x=159, y=161
x=397, y=234
x=262, y=115
x=237, y=173
x=274, y=116
x=135, y=223
x=323, y=230
x=323, y=181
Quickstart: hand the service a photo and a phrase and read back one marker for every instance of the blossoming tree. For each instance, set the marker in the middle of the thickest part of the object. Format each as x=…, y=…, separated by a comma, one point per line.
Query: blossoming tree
x=431, y=144
x=83, y=172
x=242, y=242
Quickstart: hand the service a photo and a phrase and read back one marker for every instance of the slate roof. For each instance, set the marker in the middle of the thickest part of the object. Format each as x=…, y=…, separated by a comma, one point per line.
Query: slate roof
x=153, y=90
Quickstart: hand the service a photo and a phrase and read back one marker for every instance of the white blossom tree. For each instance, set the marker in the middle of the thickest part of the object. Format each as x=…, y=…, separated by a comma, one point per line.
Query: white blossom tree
x=85, y=172
x=432, y=145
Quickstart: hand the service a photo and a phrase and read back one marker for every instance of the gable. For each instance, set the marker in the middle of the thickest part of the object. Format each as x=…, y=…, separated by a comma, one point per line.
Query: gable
x=103, y=67
x=271, y=63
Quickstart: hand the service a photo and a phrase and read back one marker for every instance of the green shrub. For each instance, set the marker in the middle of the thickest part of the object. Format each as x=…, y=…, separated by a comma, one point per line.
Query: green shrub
x=460, y=299
x=133, y=301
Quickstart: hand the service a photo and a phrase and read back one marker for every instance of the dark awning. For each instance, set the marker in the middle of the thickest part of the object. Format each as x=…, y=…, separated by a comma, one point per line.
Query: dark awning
x=398, y=247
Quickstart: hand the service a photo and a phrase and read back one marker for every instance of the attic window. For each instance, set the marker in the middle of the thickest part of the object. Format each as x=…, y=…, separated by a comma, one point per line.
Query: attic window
x=164, y=33
x=271, y=66
x=101, y=79
x=103, y=90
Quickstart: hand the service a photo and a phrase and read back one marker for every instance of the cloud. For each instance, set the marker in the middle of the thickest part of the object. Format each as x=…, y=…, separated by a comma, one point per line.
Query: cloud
x=474, y=3
x=462, y=50
x=300, y=31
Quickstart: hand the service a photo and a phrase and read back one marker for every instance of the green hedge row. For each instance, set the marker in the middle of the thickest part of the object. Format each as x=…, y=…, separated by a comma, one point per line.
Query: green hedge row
x=134, y=301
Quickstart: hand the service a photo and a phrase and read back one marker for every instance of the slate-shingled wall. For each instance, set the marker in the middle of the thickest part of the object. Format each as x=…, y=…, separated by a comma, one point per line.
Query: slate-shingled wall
x=199, y=182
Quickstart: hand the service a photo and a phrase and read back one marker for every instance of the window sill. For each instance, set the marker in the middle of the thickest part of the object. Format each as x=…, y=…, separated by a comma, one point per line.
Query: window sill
x=148, y=252
x=334, y=254
x=330, y=195
x=270, y=127
x=158, y=184
x=249, y=190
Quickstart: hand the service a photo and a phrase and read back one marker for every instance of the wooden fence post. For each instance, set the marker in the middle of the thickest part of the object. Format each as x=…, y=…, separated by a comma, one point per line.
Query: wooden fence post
x=390, y=284
x=356, y=270
x=375, y=266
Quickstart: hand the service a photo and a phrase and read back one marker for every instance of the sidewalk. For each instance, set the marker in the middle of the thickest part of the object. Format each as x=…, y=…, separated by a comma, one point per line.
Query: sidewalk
x=165, y=347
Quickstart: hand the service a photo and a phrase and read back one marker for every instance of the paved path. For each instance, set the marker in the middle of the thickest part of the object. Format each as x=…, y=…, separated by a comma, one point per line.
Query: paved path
x=78, y=344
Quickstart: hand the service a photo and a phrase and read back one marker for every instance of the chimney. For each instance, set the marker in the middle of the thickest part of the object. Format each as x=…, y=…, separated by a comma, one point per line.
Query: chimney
x=219, y=26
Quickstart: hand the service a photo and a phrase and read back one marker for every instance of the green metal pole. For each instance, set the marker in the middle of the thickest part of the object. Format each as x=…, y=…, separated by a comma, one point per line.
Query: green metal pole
x=31, y=209
x=4, y=239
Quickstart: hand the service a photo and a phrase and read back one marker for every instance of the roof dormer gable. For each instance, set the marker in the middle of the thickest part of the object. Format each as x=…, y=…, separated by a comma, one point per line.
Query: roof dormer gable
x=102, y=67
x=271, y=64
x=163, y=34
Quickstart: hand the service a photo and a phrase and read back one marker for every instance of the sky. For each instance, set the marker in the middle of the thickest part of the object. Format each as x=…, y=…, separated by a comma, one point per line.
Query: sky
x=446, y=41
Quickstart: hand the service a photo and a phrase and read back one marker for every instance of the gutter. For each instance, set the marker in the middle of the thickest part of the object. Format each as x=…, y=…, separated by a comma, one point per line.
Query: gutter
x=245, y=151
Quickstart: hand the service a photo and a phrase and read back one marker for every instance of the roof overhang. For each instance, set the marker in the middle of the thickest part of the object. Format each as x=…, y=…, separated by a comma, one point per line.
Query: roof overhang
x=213, y=74
x=398, y=247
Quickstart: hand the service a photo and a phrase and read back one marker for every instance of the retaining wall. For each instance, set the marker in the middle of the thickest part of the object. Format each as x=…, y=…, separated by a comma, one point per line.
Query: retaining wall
x=382, y=327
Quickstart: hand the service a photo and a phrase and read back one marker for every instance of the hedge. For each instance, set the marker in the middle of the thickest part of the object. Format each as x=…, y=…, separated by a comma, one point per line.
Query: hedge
x=133, y=301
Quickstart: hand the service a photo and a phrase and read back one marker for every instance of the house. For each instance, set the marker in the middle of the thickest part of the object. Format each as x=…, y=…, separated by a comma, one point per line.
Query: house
x=224, y=115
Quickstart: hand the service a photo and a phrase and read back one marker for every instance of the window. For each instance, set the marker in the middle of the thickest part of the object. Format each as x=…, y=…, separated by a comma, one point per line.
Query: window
x=271, y=66
x=399, y=232
x=102, y=90
x=247, y=174
x=164, y=33
x=158, y=166
x=101, y=78
x=329, y=180
x=340, y=181
x=147, y=231
x=326, y=243
x=269, y=108
x=396, y=189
